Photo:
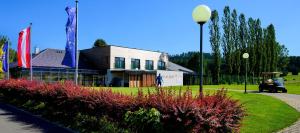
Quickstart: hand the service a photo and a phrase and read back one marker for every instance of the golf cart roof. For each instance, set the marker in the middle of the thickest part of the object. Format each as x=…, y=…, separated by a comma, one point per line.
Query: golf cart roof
x=270, y=73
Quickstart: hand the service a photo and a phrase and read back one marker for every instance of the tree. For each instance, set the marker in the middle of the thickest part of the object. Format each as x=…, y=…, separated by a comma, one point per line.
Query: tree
x=226, y=40
x=215, y=45
x=251, y=46
x=266, y=51
x=283, y=58
x=272, y=45
x=243, y=37
x=259, y=47
x=99, y=43
x=236, y=54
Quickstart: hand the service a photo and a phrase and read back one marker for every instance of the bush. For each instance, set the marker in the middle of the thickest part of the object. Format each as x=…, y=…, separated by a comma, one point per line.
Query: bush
x=143, y=120
x=179, y=112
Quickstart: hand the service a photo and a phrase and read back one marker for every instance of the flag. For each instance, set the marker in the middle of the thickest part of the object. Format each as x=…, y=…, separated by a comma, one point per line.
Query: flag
x=70, y=55
x=24, y=48
x=4, y=57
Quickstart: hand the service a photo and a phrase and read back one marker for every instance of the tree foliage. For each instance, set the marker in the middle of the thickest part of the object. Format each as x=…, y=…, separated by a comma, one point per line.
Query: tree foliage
x=215, y=45
x=99, y=43
x=12, y=52
x=226, y=39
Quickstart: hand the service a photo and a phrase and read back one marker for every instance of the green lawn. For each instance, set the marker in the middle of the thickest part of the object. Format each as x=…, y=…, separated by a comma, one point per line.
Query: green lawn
x=265, y=114
x=292, y=79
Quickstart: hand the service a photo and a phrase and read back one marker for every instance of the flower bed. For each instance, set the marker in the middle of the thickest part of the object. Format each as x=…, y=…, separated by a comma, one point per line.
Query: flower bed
x=177, y=112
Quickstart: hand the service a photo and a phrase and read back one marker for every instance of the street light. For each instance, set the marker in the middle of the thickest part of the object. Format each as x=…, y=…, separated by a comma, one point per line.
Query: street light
x=246, y=56
x=201, y=15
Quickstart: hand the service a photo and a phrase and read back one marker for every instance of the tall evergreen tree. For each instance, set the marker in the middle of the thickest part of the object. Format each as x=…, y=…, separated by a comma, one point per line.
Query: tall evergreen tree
x=266, y=51
x=272, y=44
x=226, y=40
x=259, y=47
x=243, y=37
x=236, y=54
x=251, y=47
x=215, y=45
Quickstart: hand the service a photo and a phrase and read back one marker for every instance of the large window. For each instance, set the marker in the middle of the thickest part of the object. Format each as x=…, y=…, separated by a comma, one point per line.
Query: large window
x=161, y=65
x=149, y=65
x=120, y=62
x=135, y=63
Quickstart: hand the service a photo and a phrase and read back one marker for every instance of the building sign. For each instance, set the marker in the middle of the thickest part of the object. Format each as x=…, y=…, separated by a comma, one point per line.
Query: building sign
x=171, y=78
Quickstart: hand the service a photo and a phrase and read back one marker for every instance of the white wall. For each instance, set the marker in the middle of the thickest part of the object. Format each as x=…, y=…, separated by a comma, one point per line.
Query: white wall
x=171, y=78
x=129, y=53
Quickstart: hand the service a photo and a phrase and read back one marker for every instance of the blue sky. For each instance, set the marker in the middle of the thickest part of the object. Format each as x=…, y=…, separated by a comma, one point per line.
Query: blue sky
x=164, y=25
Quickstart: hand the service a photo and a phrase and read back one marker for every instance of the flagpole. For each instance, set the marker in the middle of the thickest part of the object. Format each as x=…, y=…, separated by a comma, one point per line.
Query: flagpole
x=76, y=45
x=30, y=52
x=7, y=56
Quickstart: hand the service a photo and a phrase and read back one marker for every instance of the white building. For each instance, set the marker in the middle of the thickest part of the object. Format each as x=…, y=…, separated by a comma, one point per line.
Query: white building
x=133, y=67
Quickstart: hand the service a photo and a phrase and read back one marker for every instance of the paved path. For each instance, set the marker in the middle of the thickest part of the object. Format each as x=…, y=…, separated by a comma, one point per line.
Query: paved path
x=13, y=120
x=294, y=101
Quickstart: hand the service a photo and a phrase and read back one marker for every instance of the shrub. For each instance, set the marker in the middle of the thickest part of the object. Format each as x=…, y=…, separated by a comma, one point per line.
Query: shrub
x=143, y=120
x=179, y=112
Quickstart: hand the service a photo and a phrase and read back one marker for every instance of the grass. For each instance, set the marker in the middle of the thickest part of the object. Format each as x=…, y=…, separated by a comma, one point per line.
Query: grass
x=292, y=79
x=264, y=113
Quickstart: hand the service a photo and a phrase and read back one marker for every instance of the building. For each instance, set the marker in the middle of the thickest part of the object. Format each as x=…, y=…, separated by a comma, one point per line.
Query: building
x=47, y=66
x=109, y=66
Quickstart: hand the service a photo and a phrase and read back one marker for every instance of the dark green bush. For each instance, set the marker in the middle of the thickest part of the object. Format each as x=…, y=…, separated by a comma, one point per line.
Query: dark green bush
x=144, y=120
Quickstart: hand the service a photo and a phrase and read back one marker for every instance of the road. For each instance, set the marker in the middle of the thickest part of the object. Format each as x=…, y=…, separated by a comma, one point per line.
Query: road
x=13, y=120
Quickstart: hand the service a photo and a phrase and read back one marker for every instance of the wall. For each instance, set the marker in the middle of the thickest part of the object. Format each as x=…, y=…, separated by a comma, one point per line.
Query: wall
x=129, y=53
x=171, y=78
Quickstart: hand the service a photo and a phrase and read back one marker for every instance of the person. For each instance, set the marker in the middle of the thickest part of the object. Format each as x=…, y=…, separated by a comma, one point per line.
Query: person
x=158, y=80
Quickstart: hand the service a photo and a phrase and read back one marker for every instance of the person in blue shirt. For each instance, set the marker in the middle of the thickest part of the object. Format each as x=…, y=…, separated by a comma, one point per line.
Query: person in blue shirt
x=159, y=80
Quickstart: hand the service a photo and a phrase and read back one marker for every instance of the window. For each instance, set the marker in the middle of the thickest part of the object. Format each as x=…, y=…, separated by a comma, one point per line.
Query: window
x=149, y=65
x=135, y=63
x=161, y=65
x=120, y=62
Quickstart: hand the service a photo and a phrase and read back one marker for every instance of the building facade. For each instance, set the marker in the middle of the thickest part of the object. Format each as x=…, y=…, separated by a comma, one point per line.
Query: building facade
x=107, y=66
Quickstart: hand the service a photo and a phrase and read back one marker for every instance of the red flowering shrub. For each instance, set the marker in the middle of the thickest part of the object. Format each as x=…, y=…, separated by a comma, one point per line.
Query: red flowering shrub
x=179, y=112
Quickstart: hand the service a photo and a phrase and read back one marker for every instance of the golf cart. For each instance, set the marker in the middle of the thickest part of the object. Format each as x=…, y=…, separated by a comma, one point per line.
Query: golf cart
x=272, y=82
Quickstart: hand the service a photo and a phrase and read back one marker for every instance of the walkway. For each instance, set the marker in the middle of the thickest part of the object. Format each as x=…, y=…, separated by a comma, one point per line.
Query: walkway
x=13, y=120
x=294, y=101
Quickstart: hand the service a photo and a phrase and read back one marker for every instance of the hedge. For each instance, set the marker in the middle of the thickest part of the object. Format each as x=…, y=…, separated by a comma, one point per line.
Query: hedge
x=179, y=112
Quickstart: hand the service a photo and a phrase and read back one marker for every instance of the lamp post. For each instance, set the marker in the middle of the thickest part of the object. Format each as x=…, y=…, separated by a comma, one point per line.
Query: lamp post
x=201, y=15
x=246, y=56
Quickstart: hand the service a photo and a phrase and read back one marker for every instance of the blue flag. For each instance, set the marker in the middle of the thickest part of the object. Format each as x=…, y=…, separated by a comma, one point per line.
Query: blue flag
x=69, y=59
x=4, y=57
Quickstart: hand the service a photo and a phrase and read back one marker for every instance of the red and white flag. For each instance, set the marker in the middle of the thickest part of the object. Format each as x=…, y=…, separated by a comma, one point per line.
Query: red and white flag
x=24, y=48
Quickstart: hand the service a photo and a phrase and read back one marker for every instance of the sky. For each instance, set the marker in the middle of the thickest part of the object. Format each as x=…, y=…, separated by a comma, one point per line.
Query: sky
x=159, y=25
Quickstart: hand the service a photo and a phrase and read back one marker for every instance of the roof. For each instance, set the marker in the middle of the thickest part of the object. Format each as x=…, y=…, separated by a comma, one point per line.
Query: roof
x=175, y=67
x=270, y=73
x=49, y=58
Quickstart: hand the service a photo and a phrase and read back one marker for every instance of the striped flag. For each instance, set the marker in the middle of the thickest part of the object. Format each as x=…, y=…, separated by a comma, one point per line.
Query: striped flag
x=24, y=48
